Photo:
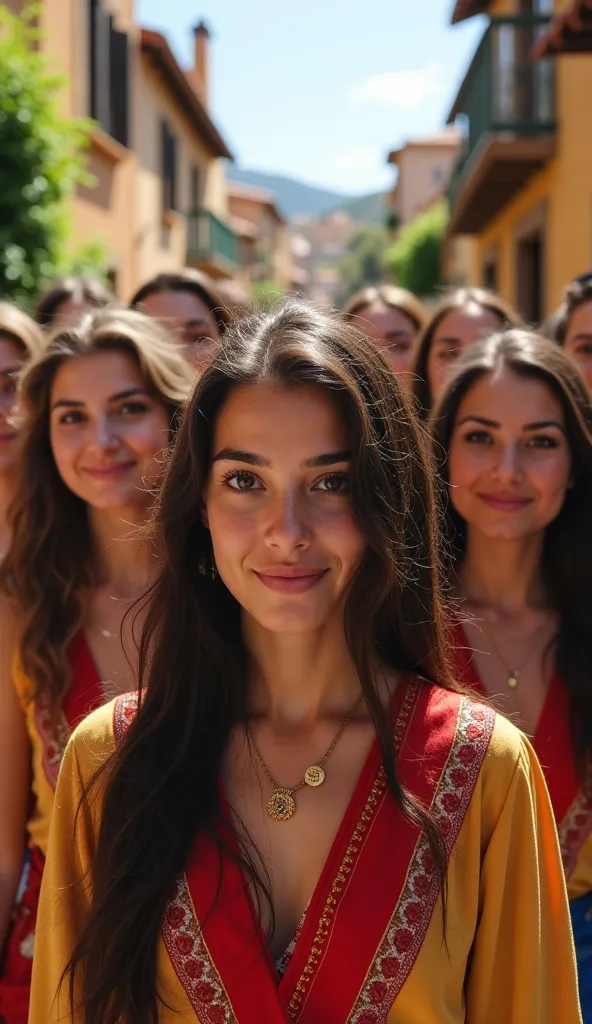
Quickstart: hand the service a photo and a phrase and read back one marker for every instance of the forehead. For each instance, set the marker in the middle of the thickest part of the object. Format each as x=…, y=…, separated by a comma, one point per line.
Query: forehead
x=267, y=418
x=96, y=376
x=10, y=352
x=180, y=304
x=387, y=318
x=473, y=320
x=581, y=319
x=511, y=400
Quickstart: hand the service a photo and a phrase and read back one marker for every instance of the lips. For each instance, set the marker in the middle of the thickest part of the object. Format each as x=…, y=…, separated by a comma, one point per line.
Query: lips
x=505, y=501
x=109, y=472
x=290, y=579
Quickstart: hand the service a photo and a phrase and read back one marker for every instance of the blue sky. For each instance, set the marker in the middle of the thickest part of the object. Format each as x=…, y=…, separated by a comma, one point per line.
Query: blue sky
x=322, y=89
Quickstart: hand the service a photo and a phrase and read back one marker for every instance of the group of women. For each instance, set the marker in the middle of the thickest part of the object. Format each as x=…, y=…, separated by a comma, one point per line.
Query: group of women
x=266, y=586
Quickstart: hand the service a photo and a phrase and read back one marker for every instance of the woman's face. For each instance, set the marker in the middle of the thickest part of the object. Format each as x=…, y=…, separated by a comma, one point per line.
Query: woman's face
x=278, y=506
x=578, y=340
x=189, y=317
x=457, y=331
x=11, y=361
x=107, y=432
x=393, y=332
x=509, y=460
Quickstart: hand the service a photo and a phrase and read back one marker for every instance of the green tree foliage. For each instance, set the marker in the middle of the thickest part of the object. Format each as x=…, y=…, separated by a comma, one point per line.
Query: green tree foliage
x=364, y=260
x=41, y=163
x=415, y=259
x=266, y=294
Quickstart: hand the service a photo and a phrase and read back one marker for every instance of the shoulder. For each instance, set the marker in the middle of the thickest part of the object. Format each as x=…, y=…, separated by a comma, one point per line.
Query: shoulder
x=96, y=737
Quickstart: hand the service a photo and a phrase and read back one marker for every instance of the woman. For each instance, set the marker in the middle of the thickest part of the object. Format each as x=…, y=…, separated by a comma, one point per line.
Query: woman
x=571, y=325
x=391, y=318
x=252, y=850
x=20, y=338
x=67, y=297
x=515, y=423
x=187, y=302
x=99, y=403
x=462, y=318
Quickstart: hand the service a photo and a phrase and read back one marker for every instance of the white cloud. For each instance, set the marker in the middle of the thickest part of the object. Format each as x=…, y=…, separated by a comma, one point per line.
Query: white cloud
x=360, y=159
x=405, y=89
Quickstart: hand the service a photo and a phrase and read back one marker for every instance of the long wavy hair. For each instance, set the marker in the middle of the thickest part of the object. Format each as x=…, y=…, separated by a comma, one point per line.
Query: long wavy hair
x=389, y=295
x=160, y=786
x=21, y=329
x=567, y=550
x=50, y=561
x=90, y=292
x=461, y=299
x=556, y=326
x=191, y=281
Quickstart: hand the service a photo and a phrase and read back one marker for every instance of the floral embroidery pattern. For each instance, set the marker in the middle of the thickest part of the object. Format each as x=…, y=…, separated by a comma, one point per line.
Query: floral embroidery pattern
x=409, y=923
x=125, y=710
x=339, y=887
x=576, y=826
x=192, y=961
x=54, y=735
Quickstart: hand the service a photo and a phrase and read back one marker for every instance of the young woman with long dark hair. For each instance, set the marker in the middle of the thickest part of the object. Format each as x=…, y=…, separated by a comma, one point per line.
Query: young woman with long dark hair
x=515, y=428
x=391, y=318
x=187, y=303
x=20, y=339
x=462, y=318
x=300, y=818
x=571, y=325
x=99, y=405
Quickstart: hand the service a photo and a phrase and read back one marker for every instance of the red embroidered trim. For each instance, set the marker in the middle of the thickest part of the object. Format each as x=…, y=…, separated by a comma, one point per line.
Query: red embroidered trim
x=409, y=923
x=339, y=887
x=54, y=737
x=191, y=959
x=125, y=710
x=576, y=826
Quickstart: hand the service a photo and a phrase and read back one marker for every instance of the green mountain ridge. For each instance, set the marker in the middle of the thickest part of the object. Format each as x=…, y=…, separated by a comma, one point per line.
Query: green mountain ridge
x=299, y=199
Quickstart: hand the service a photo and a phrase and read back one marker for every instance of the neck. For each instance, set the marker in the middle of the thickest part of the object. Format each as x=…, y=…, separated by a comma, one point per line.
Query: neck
x=504, y=575
x=6, y=496
x=121, y=550
x=301, y=677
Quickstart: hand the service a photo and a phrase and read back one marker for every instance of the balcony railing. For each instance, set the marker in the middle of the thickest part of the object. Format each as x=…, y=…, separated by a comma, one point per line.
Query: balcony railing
x=505, y=92
x=210, y=241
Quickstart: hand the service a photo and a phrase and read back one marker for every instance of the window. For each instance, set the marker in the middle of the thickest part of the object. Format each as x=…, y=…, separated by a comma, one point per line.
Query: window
x=109, y=73
x=168, y=167
x=194, y=189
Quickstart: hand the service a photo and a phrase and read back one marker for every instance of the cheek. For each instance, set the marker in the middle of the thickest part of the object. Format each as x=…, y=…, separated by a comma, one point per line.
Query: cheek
x=148, y=439
x=552, y=480
x=65, y=451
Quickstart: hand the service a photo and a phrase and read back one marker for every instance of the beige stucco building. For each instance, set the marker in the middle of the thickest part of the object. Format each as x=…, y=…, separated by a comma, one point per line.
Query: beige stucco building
x=159, y=199
x=424, y=167
x=265, y=242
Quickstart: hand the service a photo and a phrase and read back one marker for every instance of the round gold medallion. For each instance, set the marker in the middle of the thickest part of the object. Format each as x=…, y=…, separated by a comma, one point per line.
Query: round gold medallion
x=314, y=776
x=280, y=805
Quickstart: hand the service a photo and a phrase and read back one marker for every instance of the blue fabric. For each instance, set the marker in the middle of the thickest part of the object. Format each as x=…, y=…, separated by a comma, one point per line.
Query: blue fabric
x=581, y=919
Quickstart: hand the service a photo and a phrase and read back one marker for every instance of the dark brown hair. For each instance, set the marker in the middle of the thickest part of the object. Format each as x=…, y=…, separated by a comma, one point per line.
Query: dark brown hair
x=576, y=294
x=389, y=295
x=87, y=290
x=567, y=551
x=461, y=299
x=187, y=280
x=162, y=781
x=50, y=560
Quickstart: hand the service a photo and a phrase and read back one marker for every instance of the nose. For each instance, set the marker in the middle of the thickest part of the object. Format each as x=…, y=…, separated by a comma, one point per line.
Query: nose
x=508, y=468
x=103, y=435
x=287, y=529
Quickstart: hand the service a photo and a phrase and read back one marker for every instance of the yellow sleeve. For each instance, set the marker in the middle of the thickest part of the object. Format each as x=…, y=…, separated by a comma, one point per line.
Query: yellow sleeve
x=523, y=963
x=65, y=889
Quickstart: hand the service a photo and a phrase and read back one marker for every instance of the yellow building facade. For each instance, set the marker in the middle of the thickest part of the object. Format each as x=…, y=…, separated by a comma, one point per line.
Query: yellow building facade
x=522, y=189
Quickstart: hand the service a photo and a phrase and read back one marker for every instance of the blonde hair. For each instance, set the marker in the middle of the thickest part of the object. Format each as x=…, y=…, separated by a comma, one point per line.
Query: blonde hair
x=50, y=562
x=390, y=295
x=21, y=329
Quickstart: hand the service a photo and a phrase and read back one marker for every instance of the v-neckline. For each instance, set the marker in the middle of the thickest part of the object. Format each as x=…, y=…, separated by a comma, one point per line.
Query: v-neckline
x=473, y=679
x=309, y=918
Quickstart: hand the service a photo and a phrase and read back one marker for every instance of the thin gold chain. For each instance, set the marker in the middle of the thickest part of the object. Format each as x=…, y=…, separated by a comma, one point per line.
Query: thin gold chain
x=319, y=764
x=516, y=672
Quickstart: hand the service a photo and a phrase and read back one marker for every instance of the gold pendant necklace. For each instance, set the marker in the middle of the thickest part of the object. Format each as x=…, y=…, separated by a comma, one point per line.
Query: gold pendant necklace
x=281, y=804
x=513, y=677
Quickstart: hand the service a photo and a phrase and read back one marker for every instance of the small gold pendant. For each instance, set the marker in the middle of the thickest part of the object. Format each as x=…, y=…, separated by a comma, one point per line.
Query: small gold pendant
x=281, y=805
x=314, y=776
x=513, y=681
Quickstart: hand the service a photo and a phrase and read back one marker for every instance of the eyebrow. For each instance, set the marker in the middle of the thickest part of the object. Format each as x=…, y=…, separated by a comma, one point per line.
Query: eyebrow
x=446, y=341
x=582, y=336
x=251, y=459
x=119, y=397
x=538, y=425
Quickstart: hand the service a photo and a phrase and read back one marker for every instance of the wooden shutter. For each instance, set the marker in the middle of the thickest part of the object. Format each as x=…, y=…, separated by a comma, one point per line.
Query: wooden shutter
x=119, y=86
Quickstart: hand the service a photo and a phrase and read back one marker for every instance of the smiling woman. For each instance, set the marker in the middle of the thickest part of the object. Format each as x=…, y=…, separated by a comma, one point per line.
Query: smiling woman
x=515, y=424
x=299, y=803
x=98, y=408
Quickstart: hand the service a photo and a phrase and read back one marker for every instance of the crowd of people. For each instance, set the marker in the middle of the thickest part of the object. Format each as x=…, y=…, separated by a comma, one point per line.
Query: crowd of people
x=295, y=659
